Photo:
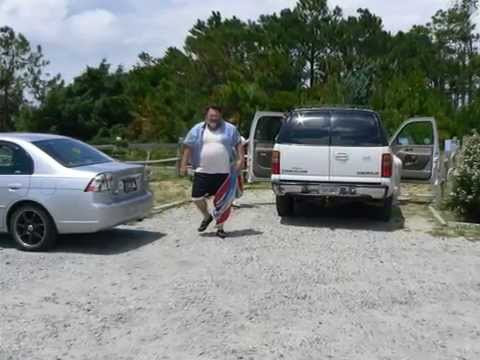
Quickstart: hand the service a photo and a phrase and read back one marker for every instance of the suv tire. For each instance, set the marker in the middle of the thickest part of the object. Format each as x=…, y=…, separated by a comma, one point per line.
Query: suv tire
x=284, y=205
x=386, y=211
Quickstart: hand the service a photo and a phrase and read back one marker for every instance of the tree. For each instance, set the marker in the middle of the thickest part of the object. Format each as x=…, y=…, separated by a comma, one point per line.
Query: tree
x=454, y=33
x=95, y=102
x=316, y=42
x=309, y=55
x=21, y=70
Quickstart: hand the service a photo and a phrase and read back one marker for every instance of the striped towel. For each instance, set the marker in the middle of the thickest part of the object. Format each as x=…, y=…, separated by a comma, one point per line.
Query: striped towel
x=230, y=190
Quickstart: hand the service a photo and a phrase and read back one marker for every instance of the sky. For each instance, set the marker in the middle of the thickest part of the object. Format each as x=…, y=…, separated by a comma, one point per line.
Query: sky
x=77, y=33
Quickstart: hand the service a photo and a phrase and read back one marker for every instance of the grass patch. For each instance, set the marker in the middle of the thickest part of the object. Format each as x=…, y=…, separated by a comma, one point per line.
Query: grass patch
x=168, y=191
x=471, y=234
x=457, y=226
x=167, y=187
x=258, y=186
x=161, y=173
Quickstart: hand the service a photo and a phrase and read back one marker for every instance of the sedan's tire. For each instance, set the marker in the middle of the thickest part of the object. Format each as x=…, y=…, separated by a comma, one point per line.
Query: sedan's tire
x=284, y=206
x=386, y=211
x=32, y=228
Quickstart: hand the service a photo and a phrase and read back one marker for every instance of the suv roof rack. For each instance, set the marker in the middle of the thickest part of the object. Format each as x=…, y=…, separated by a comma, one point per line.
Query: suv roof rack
x=333, y=107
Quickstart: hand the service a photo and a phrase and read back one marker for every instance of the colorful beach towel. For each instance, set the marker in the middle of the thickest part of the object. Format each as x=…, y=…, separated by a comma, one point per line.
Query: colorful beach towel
x=230, y=190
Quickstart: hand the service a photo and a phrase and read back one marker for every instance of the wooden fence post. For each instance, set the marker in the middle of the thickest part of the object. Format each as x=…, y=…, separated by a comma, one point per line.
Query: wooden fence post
x=179, y=156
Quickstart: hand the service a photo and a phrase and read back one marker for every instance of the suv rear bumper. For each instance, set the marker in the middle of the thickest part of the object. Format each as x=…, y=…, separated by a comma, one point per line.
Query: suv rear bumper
x=347, y=190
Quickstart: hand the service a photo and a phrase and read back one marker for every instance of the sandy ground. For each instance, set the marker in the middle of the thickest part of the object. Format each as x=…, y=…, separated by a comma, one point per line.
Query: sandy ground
x=324, y=285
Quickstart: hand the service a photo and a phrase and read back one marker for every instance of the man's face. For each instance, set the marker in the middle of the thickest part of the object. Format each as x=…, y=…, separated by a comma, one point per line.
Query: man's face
x=213, y=118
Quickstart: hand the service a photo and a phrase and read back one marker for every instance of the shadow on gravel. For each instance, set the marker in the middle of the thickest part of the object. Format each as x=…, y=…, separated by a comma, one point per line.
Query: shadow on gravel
x=6, y=242
x=235, y=233
x=252, y=205
x=343, y=216
x=109, y=242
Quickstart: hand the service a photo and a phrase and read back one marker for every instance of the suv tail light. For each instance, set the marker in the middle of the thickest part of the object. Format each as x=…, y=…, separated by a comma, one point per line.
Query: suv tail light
x=275, y=162
x=387, y=165
x=100, y=183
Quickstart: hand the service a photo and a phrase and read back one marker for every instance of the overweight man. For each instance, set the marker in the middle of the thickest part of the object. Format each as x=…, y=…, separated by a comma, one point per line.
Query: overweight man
x=214, y=148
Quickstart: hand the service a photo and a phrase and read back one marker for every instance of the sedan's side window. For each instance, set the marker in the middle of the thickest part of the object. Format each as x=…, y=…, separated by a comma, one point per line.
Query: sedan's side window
x=14, y=160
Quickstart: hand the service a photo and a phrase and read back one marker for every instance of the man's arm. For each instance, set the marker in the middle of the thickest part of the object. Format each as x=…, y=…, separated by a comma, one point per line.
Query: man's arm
x=186, y=154
x=240, y=157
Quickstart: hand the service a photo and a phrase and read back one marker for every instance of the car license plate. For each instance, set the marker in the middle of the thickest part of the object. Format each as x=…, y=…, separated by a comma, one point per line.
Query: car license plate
x=321, y=190
x=129, y=185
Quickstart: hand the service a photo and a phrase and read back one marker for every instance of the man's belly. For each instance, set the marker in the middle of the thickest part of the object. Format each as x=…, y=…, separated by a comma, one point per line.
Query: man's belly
x=214, y=159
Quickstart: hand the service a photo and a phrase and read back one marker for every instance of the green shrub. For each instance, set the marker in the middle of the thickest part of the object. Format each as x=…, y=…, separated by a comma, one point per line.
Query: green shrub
x=465, y=195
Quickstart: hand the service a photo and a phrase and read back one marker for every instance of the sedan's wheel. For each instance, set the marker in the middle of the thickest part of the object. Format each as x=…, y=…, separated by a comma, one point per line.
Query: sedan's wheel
x=32, y=229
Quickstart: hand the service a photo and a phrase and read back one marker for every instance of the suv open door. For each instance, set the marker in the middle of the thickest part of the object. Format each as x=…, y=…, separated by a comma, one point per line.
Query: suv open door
x=264, y=129
x=417, y=144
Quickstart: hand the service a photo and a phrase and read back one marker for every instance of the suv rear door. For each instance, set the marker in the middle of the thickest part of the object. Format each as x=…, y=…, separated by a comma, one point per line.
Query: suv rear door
x=304, y=146
x=264, y=130
x=358, y=142
x=417, y=144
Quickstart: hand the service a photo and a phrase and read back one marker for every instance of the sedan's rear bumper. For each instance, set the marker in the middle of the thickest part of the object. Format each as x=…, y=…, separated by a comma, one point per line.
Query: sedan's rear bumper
x=360, y=191
x=107, y=216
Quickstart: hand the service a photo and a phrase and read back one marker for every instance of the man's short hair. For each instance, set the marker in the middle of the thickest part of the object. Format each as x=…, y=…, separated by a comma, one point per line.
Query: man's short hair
x=213, y=107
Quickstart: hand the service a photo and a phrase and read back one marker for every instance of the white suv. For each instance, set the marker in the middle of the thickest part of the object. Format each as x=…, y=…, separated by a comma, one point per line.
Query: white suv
x=340, y=152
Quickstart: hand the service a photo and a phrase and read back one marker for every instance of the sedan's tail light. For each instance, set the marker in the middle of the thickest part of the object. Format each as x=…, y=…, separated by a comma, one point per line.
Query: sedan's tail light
x=275, y=162
x=100, y=183
x=387, y=165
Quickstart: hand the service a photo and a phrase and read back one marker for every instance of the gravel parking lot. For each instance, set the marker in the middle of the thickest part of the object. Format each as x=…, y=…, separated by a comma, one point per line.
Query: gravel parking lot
x=325, y=285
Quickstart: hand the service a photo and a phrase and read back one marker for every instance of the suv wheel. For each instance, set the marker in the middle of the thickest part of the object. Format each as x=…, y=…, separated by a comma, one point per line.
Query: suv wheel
x=32, y=228
x=386, y=210
x=284, y=205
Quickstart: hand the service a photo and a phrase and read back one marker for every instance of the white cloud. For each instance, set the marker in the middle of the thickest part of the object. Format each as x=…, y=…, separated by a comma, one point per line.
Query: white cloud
x=93, y=27
x=76, y=33
x=397, y=15
x=38, y=19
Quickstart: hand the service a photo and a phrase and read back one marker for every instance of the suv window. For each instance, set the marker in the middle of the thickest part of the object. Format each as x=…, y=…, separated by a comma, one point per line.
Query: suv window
x=267, y=129
x=14, y=160
x=306, y=128
x=72, y=153
x=357, y=128
x=416, y=133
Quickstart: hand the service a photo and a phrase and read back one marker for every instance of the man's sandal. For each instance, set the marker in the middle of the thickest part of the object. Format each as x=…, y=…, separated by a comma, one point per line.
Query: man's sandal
x=221, y=234
x=205, y=223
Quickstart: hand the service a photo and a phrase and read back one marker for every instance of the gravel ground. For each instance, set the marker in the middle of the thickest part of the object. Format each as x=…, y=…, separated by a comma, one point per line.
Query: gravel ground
x=333, y=285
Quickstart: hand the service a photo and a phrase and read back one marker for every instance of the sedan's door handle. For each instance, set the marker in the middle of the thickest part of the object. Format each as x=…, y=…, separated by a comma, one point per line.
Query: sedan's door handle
x=14, y=187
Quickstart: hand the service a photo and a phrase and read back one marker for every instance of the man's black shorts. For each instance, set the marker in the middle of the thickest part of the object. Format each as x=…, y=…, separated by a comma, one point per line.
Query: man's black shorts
x=205, y=185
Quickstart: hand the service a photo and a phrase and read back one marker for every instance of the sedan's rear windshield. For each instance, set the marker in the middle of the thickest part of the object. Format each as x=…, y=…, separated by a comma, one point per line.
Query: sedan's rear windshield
x=336, y=128
x=71, y=153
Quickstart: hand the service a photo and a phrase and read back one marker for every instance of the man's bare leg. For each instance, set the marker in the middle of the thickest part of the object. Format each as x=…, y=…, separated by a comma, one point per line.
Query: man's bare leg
x=202, y=205
x=221, y=232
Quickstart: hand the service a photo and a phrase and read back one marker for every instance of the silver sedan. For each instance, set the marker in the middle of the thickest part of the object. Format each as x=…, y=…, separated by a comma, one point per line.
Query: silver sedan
x=53, y=185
